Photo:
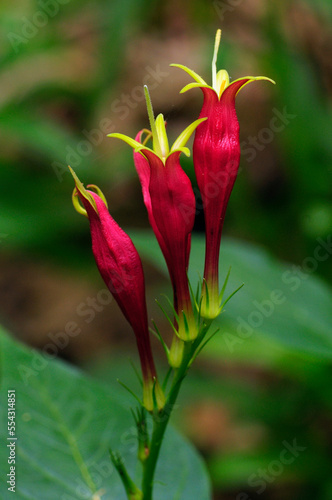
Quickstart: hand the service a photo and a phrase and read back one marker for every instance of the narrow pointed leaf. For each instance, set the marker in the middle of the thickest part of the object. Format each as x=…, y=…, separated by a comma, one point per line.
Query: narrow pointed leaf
x=225, y=284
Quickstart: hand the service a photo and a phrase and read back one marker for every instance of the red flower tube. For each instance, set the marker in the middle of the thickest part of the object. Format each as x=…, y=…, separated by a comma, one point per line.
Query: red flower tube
x=216, y=155
x=120, y=267
x=170, y=202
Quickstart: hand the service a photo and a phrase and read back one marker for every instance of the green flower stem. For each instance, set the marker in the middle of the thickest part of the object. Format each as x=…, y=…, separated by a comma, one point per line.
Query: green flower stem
x=162, y=418
x=133, y=493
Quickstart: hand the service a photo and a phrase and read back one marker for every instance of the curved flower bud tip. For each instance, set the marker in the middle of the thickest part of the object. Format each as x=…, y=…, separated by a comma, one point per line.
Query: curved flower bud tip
x=160, y=144
x=220, y=79
x=79, y=188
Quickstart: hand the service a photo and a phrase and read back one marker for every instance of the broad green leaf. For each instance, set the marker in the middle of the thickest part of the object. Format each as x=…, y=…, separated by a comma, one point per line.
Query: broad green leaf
x=285, y=303
x=65, y=425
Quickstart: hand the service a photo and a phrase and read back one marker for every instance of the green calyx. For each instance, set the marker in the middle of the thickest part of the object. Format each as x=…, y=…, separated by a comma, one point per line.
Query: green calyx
x=153, y=396
x=212, y=303
x=176, y=352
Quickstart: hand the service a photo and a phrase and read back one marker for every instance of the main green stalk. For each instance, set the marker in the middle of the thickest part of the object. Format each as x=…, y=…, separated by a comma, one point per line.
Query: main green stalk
x=161, y=419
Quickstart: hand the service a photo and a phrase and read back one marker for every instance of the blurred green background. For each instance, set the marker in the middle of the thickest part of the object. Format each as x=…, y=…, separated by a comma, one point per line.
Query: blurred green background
x=71, y=72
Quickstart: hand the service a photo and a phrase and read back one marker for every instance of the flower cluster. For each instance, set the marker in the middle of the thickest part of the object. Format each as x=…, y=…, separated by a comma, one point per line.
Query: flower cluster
x=170, y=203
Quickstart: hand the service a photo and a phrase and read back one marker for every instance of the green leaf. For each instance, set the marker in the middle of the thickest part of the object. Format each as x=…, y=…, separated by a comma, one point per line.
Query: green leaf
x=284, y=303
x=65, y=425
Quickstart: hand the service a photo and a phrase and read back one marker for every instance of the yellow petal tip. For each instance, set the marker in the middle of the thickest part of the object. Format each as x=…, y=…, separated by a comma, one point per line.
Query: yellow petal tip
x=80, y=188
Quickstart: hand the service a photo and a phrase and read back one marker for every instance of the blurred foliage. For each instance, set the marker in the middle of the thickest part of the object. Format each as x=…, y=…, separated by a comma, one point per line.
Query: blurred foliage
x=290, y=307
x=63, y=76
x=239, y=415
x=67, y=69
x=65, y=442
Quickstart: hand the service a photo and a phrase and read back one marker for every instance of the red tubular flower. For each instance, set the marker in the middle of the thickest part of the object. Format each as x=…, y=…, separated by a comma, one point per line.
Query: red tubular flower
x=170, y=202
x=120, y=267
x=216, y=155
x=144, y=173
